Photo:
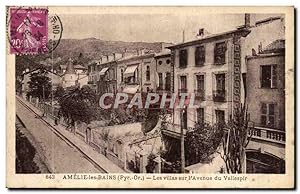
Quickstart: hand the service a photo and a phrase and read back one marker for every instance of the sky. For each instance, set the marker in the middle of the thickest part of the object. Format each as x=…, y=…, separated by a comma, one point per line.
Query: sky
x=149, y=28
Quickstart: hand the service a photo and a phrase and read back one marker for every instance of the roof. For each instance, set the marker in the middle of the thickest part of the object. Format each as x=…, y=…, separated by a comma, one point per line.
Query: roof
x=243, y=32
x=275, y=47
x=136, y=57
x=75, y=67
x=163, y=54
x=70, y=68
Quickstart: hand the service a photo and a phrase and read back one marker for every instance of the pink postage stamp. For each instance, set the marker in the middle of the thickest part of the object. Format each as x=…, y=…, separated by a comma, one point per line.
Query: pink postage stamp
x=28, y=30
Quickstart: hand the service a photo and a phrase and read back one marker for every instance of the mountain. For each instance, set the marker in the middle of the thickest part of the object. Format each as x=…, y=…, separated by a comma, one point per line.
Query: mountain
x=85, y=49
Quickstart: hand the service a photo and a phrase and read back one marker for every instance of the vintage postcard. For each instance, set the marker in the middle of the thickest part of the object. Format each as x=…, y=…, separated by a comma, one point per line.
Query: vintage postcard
x=150, y=97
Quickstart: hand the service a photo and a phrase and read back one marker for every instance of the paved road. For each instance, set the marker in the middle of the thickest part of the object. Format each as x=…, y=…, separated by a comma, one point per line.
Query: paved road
x=60, y=156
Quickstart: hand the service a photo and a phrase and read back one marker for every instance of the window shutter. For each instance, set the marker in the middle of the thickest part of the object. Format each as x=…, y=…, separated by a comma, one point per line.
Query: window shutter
x=274, y=76
x=263, y=108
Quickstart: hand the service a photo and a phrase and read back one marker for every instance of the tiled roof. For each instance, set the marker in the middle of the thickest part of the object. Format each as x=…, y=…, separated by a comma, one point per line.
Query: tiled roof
x=275, y=46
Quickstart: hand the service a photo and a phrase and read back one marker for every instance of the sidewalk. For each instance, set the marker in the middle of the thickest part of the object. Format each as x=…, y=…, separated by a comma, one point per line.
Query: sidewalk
x=98, y=158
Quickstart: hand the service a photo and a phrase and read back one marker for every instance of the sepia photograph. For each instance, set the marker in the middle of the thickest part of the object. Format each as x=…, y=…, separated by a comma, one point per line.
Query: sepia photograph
x=145, y=94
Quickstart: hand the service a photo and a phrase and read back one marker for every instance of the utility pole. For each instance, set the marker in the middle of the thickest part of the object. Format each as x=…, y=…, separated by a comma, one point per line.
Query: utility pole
x=182, y=155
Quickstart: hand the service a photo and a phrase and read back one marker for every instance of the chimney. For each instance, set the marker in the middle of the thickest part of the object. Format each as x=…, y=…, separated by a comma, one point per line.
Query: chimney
x=247, y=20
x=260, y=48
x=114, y=55
x=200, y=33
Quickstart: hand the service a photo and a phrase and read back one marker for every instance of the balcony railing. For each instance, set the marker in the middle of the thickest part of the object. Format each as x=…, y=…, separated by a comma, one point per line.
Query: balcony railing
x=161, y=88
x=219, y=95
x=182, y=90
x=200, y=94
x=268, y=134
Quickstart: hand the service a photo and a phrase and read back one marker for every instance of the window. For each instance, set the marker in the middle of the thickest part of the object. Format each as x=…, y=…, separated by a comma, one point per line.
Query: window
x=220, y=116
x=168, y=81
x=200, y=82
x=183, y=58
x=200, y=56
x=219, y=53
x=200, y=115
x=122, y=75
x=148, y=73
x=268, y=76
x=112, y=76
x=267, y=118
x=159, y=62
x=220, y=81
x=200, y=86
x=160, y=81
x=219, y=95
x=168, y=61
x=183, y=84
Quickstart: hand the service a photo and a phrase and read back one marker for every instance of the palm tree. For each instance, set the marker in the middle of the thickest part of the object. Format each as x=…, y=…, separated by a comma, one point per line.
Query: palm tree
x=76, y=105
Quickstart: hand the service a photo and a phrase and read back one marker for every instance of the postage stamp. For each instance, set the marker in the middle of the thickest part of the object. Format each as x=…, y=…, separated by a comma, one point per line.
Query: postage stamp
x=28, y=32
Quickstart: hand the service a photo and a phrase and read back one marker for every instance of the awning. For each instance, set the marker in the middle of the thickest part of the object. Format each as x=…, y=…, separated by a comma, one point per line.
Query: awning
x=131, y=89
x=102, y=72
x=130, y=70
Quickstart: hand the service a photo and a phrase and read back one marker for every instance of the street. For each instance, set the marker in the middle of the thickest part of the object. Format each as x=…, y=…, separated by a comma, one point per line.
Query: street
x=60, y=156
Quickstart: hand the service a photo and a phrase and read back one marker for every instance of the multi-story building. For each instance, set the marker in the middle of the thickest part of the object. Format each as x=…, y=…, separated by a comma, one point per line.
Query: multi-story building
x=107, y=74
x=266, y=86
x=164, y=71
x=92, y=74
x=210, y=67
x=265, y=97
x=136, y=73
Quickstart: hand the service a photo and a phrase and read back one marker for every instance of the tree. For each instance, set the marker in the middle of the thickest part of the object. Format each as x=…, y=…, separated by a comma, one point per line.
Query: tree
x=59, y=92
x=235, y=141
x=39, y=84
x=77, y=105
x=202, y=142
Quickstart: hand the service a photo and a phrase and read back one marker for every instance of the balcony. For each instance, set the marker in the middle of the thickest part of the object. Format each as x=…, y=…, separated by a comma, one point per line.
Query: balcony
x=167, y=88
x=267, y=134
x=219, y=95
x=200, y=94
x=182, y=90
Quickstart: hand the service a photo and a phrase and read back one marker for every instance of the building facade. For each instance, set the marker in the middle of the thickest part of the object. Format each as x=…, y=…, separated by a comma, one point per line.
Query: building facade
x=136, y=73
x=266, y=86
x=107, y=74
x=209, y=67
x=164, y=72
